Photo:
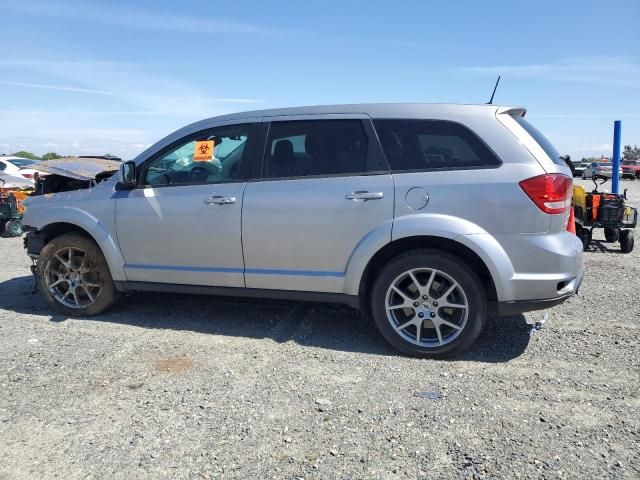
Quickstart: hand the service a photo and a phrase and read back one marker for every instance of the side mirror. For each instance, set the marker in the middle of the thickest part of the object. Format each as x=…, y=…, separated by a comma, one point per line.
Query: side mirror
x=127, y=176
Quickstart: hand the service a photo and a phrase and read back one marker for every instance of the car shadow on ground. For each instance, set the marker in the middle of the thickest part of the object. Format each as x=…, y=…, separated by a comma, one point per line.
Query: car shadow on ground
x=327, y=326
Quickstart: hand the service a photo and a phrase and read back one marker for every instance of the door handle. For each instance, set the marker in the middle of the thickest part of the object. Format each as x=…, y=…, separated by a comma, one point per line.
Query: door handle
x=220, y=200
x=363, y=196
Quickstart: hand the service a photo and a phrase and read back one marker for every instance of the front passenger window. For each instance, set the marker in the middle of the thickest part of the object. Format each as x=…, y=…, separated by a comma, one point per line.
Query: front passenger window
x=212, y=156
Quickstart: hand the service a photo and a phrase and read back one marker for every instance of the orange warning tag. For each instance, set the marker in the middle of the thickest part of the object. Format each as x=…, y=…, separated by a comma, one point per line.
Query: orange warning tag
x=203, y=151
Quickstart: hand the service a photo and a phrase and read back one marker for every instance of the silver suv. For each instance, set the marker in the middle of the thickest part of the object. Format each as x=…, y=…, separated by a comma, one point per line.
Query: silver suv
x=426, y=217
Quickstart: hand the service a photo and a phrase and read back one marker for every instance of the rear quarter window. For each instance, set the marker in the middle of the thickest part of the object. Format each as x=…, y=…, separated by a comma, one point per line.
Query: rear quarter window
x=418, y=145
x=541, y=140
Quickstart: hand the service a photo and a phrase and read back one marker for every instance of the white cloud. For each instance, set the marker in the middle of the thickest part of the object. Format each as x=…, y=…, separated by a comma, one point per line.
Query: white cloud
x=121, y=16
x=600, y=70
x=51, y=144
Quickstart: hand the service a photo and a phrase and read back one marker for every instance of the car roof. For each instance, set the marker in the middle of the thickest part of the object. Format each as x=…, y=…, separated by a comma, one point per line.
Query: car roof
x=371, y=109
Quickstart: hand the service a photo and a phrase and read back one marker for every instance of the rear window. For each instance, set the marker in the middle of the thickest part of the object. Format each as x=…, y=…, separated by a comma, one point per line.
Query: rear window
x=415, y=145
x=544, y=143
x=19, y=162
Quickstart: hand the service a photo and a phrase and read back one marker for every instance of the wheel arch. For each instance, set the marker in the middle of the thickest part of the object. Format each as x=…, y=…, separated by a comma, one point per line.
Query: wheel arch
x=405, y=244
x=105, y=242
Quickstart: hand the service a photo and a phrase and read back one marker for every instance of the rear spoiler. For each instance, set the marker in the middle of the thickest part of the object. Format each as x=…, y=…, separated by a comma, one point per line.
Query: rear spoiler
x=518, y=111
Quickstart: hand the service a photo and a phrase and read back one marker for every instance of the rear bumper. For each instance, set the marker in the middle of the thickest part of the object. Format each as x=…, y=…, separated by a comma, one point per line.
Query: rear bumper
x=522, y=306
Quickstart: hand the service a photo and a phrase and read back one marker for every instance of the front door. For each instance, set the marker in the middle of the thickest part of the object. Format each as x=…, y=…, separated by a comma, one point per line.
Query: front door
x=182, y=224
x=325, y=187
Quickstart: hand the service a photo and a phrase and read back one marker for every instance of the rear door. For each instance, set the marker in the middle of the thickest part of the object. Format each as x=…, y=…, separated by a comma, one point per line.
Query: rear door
x=325, y=186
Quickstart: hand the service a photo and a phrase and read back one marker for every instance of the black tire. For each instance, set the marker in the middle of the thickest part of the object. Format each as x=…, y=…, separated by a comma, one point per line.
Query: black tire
x=2, y=227
x=626, y=241
x=584, y=234
x=611, y=234
x=452, y=267
x=98, y=273
x=14, y=228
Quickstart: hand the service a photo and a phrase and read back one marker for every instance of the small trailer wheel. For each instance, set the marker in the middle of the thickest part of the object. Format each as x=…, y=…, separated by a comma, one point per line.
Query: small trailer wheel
x=611, y=234
x=14, y=228
x=584, y=234
x=626, y=241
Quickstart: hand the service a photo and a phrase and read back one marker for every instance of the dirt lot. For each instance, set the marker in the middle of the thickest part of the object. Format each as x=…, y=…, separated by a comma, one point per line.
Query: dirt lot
x=204, y=387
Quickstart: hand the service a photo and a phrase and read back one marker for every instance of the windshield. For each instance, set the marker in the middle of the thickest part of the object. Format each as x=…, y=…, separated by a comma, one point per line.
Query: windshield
x=630, y=162
x=21, y=162
x=544, y=143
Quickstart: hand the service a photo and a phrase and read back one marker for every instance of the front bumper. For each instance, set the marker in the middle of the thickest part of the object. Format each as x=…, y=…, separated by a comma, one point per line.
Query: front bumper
x=34, y=242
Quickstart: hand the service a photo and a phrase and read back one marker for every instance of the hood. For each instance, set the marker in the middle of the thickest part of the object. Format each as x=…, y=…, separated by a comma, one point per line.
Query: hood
x=77, y=168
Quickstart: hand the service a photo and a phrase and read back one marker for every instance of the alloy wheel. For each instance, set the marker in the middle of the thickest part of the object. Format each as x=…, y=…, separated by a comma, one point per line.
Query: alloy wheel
x=70, y=279
x=427, y=307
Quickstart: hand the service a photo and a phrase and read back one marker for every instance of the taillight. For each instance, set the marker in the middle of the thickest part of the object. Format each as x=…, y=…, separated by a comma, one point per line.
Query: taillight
x=550, y=192
x=27, y=175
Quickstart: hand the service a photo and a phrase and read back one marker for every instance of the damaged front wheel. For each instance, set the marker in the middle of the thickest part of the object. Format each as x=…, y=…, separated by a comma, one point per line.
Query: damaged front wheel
x=74, y=277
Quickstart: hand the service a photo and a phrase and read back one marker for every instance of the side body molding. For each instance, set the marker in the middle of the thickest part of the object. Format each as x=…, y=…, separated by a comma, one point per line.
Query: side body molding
x=462, y=231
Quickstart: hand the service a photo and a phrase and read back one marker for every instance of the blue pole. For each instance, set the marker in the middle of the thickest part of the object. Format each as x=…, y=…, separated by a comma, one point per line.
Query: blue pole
x=615, y=167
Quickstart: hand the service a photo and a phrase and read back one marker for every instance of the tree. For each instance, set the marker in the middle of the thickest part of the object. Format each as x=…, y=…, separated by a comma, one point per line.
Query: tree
x=24, y=154
x=631, y=153
x=51, y=156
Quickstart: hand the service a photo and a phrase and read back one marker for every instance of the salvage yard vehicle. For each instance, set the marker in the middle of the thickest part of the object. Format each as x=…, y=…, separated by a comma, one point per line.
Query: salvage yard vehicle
x=11, y=208
x=427, y=217
x=599, y=170
x=578, y=170
x=604, y=210
x=21, y=167
x=630, y=169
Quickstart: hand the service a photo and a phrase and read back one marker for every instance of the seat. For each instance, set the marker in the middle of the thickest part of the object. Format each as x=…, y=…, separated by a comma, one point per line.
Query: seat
x=283, y=160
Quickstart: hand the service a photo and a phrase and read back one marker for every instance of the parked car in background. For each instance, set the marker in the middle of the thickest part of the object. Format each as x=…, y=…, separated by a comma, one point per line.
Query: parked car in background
x=599, y=170
x=579, y=169
x=428, y=217
x=15, y=181
x=17, y=166
x=630, y=168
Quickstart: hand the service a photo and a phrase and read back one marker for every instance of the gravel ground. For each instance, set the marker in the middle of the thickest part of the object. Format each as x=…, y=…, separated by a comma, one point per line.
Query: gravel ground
x=204, y=387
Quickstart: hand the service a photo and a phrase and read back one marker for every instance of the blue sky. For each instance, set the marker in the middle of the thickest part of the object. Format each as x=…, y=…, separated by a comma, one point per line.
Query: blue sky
x=95, y=77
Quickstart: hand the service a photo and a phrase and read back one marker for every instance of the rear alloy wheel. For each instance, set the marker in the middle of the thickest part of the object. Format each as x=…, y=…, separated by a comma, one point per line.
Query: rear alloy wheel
x=428, y=304
x=74, y=277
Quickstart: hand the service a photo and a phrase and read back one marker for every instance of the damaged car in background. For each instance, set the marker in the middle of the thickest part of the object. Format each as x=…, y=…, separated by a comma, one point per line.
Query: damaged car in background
x=72, y=173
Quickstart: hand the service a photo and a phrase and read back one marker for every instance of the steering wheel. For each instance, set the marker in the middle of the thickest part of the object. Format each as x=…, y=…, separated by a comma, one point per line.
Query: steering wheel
x=198, y=174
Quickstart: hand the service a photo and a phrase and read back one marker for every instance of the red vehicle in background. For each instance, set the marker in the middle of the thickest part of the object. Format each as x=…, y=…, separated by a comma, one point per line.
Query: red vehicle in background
x=630, y=168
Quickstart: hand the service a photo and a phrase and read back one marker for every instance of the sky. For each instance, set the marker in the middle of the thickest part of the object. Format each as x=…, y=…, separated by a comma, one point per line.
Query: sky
x=95, y=77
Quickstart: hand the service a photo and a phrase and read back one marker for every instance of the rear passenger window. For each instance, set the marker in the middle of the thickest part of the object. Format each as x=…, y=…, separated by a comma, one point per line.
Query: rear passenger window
x=412, y=145
x=317, y=147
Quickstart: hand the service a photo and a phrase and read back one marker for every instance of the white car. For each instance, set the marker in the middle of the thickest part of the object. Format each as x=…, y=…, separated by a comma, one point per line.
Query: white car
x=17, y=166
x=14, y=181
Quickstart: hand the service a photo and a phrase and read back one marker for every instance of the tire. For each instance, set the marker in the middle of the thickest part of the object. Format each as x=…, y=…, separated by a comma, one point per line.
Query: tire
x=2, y=227
x=14, y=228
x=626, y=241
x=437, y=339
x=611, y=234
x=584, y=234
x=73, y=260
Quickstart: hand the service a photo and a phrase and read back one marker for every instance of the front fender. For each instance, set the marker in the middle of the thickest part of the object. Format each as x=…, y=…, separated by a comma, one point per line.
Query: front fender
x=40, y=218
